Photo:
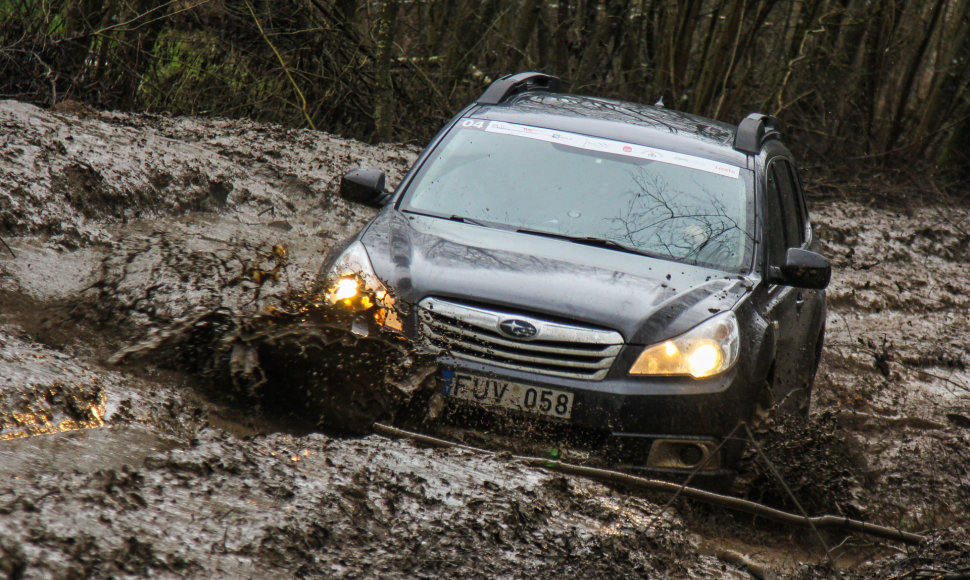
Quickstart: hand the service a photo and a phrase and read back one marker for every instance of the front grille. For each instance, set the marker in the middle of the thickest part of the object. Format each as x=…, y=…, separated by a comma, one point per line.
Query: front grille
x=556, y=349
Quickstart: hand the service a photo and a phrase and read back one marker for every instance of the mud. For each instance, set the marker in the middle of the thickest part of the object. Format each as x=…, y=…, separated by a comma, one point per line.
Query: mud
x=173, y=403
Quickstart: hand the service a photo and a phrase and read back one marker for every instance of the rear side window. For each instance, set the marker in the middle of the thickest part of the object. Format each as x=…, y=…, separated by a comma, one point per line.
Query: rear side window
x=784, y=216
x=774, y=222
x=791, y=206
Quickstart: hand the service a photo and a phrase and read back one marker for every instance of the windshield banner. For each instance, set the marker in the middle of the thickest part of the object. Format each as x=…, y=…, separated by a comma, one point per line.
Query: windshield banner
x=605, y=145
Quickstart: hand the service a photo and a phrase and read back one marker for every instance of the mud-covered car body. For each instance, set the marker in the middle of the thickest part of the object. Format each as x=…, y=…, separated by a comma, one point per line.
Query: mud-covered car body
x=513, y=250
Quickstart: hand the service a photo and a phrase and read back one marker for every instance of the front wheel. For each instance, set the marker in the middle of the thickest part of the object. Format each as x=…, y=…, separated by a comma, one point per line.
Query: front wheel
x=790, y=396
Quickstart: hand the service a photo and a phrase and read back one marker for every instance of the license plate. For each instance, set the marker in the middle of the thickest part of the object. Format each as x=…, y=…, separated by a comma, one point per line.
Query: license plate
x=498, y=393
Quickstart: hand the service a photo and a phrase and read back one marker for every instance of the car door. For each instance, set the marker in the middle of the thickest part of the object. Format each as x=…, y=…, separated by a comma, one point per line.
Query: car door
x=785, y=226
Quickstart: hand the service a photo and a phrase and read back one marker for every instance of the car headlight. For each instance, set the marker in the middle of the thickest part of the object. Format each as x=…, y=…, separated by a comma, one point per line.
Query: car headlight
x=704, y=351
x=352, y=283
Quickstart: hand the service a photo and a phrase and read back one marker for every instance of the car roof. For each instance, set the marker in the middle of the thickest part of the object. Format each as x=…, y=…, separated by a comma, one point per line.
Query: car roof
x=619, y=120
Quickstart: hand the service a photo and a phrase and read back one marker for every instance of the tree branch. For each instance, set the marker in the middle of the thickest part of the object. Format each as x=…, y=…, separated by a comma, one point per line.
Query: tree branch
x=821, y=522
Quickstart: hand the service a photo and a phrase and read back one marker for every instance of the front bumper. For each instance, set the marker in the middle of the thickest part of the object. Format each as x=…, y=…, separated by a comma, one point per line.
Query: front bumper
x=657, y=423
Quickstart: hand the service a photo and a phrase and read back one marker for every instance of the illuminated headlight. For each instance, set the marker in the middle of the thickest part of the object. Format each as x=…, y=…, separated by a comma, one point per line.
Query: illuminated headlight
x=344, y=289
x=352, y=283
x=704, y=351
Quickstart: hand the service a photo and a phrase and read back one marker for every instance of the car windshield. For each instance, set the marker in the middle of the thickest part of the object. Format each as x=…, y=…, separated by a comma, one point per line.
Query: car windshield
x=643, y=199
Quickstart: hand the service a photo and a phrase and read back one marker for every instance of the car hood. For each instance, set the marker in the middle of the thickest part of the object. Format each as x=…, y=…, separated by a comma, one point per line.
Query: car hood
x=644, y=299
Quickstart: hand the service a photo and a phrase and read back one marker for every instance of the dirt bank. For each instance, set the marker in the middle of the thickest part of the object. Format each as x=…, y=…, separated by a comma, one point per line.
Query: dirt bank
x=171, y=405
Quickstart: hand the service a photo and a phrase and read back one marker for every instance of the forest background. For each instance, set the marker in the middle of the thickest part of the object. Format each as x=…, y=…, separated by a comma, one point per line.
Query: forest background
x=864, y=87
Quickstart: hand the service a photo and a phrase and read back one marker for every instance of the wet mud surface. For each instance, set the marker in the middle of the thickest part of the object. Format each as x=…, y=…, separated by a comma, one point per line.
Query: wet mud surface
x=172, y=403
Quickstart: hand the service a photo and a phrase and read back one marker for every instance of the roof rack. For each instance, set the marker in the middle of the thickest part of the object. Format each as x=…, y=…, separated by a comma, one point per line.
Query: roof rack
x=754, y=130
x=509, y=85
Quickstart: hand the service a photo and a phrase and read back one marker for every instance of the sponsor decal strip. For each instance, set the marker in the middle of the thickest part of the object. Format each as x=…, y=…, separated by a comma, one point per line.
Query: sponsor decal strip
x=608, y=146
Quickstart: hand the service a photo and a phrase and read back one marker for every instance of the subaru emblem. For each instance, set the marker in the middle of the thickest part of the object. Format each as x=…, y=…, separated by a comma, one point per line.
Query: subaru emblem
x=517, y=328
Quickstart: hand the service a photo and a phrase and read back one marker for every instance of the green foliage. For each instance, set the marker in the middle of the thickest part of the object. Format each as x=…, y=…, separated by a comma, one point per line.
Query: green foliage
x=184, y=78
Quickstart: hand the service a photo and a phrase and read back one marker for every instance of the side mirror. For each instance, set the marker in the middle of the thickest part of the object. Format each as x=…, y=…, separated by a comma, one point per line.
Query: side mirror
x=803, y=269
x=364, y=185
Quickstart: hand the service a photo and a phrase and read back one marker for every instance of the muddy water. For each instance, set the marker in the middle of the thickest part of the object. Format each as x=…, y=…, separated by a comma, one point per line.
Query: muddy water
x=146, y=263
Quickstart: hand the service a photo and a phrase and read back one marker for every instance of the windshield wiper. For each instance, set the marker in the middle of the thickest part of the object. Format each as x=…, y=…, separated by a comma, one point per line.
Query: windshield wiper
x=482, y=223
x=461, y=218
x=590, y=241
x=468, y=220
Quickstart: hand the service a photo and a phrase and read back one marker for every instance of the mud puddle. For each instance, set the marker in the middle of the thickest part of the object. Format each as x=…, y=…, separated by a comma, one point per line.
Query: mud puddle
x=150, y=253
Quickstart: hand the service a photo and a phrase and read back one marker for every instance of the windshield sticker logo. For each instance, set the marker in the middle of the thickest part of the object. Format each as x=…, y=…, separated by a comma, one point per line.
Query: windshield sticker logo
x=517, y=328
x=606, y=146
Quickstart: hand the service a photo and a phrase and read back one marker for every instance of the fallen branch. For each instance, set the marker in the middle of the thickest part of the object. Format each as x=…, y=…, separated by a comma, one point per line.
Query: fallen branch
x=741, y=561
x=944, y=379
x=8, y=248
x=733, y=503
x=784, y=484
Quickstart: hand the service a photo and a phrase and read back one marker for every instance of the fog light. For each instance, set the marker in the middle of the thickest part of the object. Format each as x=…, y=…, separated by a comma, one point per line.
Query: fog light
x=684, y=454
x=691, y=454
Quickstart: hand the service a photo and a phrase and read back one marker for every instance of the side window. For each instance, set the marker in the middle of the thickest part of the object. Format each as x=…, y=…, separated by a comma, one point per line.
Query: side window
x=791, y=206
x=774, y=223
